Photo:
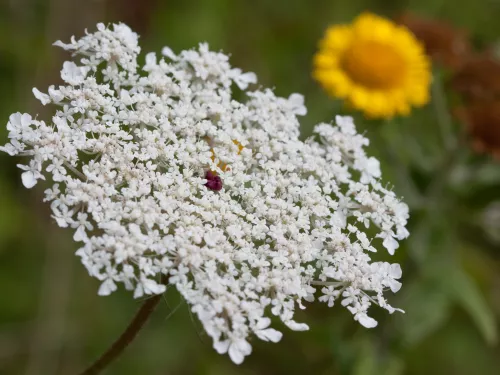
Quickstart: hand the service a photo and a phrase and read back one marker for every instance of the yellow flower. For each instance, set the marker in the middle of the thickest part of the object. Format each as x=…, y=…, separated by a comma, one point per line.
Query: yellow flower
x=376, y=66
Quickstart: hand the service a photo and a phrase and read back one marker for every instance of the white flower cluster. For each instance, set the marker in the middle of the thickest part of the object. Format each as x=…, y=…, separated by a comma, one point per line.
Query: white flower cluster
x=161, y=172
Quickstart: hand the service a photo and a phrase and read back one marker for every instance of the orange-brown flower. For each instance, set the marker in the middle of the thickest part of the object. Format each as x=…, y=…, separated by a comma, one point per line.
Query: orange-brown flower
x=483, y=125
x=446, y=44
x=479, y=78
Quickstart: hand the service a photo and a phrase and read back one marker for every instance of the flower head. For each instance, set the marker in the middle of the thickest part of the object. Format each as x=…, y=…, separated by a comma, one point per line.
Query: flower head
x=478, y=79
x=376, y=66
x=482, y=119
x=132, y=173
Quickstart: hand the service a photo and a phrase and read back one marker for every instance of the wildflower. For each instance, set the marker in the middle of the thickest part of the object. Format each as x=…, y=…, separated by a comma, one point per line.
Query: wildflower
x=446, y=44
x=137, y=157
x=478, y=79
x=482, y=119
x=376, y=66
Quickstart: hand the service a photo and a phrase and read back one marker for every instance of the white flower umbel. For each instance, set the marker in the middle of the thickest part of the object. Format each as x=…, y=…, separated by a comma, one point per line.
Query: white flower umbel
x=160, y=170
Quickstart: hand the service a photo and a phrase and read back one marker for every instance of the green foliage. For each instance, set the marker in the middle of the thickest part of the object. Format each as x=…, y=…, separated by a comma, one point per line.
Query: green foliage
x=469, y=297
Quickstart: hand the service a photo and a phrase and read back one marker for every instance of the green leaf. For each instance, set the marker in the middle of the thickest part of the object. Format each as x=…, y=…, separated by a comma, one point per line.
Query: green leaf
x=468, y=295
x=427, y=307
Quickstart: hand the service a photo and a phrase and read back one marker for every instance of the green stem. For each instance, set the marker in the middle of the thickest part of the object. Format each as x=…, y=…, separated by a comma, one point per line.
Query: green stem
x=445, y=122
x=435, y=192
x=117, y=348
x=409, y=190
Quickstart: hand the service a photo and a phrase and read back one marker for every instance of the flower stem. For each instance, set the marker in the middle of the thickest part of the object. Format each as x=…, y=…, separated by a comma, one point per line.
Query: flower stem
x=126, y=337
x=444, y=120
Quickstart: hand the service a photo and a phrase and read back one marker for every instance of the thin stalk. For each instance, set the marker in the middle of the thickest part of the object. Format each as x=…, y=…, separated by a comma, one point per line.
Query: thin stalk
x=445, y=121
x=409, y=190
x=140, y=318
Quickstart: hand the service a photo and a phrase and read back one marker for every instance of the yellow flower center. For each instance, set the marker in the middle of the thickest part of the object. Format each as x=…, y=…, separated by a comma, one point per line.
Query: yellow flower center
x=375, y=65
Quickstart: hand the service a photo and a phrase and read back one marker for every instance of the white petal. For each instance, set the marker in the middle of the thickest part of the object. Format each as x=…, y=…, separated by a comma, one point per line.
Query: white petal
x=14, y=121
x=126, y=35
x=235, y=354
x=62, y=222
x=297, y=102
x=390, y=244
x=63, y=45
x=151, y=59
x=9, y=149
x=139, y=291
x=395, y=286
x=221, y=346
x=263, y=323
x=26, y=120
x=44, y=98
x=28, y=179
x=366, y=321
x=294, y=326
x=80, y=235
x=166, y=51
x=373, y=167
x=245, y=79
x=107, y=287
x=73, y=74
x=55, y=95
x=395, y=271
x=269, y=334
x=238, y=350
x=152, y=287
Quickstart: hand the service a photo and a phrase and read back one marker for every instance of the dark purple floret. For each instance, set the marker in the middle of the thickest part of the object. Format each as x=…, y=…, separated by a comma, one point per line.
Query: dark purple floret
x=214, y=182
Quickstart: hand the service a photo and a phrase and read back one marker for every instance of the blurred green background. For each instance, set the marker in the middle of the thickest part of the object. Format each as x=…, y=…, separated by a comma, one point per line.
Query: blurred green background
x=53, y=322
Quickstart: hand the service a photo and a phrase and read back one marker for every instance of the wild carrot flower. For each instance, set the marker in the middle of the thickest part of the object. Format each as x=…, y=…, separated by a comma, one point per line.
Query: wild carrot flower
x=376, y=66
x=131, y=172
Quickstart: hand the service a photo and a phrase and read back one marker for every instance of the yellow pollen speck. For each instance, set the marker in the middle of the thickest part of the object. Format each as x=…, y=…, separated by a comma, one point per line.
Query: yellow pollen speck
x=223, y=166
x=240, y=146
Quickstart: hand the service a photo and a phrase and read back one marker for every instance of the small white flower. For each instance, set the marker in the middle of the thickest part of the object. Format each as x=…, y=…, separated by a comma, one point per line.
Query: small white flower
x=44, y=98
x=19, y=123
x=242, y=80
x=55, y=95
x=365, y=320
x=294, y=326
x=32, y=174
x=238, y=350
x=107, y=287
x=329, y=296
x=167, y=52
x=29, y=179
x=73, y=74
x=267, y=334
x=389, y=242
x=296, y=103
